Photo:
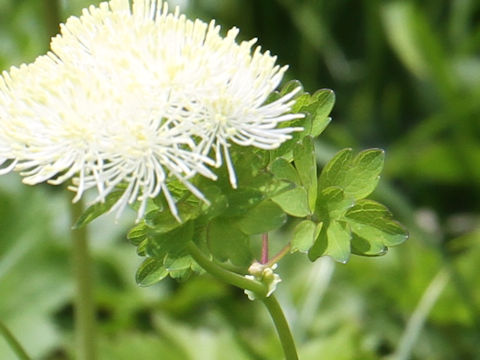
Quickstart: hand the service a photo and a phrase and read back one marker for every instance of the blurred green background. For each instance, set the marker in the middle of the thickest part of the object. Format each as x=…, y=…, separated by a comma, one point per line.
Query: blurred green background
x=407, y=79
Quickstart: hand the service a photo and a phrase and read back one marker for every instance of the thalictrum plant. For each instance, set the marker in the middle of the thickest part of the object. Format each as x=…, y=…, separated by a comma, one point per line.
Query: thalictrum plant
x=192, y=129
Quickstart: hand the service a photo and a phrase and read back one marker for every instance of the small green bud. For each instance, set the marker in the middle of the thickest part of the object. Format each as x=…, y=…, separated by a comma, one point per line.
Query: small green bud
x=266, y=275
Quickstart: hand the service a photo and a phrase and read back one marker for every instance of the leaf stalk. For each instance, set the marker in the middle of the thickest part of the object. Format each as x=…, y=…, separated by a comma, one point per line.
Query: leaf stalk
x=13, y=343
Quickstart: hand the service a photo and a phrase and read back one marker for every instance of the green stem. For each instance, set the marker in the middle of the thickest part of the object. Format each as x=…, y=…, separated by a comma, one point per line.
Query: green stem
x=84, y=308
x=14, y=344
x=258, y=288
x=223, y=274
x=282, y=327
x=52, y=17
x=280, y=255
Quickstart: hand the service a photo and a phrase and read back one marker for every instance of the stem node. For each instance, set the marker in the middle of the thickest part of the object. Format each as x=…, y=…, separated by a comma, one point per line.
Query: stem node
x=259, y=289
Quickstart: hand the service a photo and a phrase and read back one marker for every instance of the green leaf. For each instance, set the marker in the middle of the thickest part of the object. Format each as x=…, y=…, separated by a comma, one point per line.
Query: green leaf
x=264, y=217
x=368, y=211
x=334, y=241
x=365, y=173
x=374, y=228
x=180, y=275
x=273, y=96
x=178, y=263
x=227, y=242
x=248, y=166
x=150, y=272
x=290, y=86
x=171, y=243
x=241, y=200
x=218, y=202
x=336, y=170
x=167, y=253
x=164, y=221
x=357, y=176
x=294, y=202
x=316, y=107
x=304, y=158
x=367, y=247
x=324, y=101
x=137, y=234
x=276, y=187
x=301, y=102
x=332, y=203
x=97, y=209
x=142, y=248
x=284, y=170
x=262, y=180
x=304, y=235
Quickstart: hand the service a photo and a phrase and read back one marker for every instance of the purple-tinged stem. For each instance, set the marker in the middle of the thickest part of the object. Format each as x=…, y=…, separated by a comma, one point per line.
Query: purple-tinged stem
x=264, y=248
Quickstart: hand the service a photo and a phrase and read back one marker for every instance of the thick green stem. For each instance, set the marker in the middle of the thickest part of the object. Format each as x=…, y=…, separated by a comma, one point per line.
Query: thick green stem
x=13, y=342
x=260, y=291
x=52, y=17
x=84, y=309
x=223, y=274
x=282, y=327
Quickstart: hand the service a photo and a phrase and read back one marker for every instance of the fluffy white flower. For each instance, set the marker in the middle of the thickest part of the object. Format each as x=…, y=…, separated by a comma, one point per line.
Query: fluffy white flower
x=134, y=94
x=236, y=111
x=74, y=129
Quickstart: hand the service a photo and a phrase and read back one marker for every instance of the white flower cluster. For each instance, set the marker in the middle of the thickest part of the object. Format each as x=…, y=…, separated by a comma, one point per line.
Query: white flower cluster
x=134, y=94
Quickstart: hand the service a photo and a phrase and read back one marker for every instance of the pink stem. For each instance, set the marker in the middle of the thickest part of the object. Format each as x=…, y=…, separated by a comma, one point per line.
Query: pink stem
x=264, y=248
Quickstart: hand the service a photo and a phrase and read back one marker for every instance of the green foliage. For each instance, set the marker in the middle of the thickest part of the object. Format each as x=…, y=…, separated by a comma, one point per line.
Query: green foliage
x=407, y=77
x=270, y=188
x=332, y=203
x=306, y=165
x=227, y=241
x=373, y=228
x=163, y=221
x=284, y=170
x=334, y=241
x=264, y=217
x=98, y=209
x=334, y=218
x=304, y=235
x=294, y=202
x=357, y=176
x=352, y=224
x=315, y=108
x=150, y=272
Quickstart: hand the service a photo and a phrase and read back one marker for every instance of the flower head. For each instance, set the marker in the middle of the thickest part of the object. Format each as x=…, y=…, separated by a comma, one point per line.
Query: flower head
x=136, y=95
x=236, y=112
